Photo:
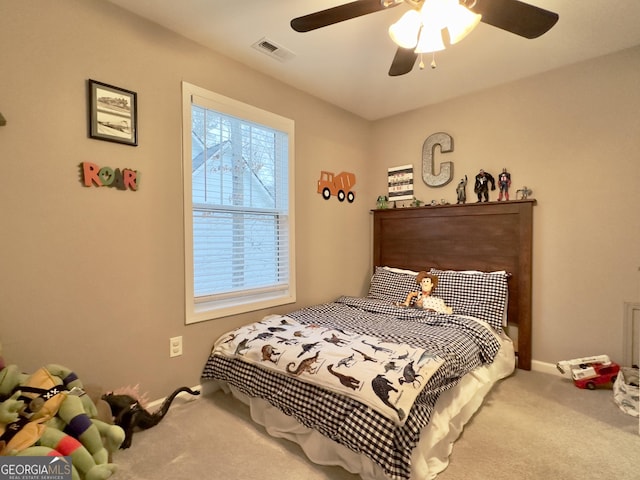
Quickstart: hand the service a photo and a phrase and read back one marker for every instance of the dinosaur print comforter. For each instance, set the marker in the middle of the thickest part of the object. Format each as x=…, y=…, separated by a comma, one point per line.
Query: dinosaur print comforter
x=383, y=375
x=461, y=343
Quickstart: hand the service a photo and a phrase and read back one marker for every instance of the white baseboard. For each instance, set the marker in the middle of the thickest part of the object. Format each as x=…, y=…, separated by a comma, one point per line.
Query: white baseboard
x=544, y=367
x=184, y=395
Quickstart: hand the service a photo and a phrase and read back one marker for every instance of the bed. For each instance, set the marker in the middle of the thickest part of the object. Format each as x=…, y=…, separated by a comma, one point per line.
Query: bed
x=397, y=384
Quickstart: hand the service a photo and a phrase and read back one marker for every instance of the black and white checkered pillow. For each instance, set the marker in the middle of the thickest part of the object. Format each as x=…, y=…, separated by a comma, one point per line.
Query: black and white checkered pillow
x=391, y=286
x=478, y=294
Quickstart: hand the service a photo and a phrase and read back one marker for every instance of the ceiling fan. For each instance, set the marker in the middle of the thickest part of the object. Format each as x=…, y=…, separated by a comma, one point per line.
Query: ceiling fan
x=517, y=17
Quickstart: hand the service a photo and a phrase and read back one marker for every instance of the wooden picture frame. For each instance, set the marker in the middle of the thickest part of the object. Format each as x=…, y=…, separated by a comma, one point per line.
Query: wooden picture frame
x=113, y=113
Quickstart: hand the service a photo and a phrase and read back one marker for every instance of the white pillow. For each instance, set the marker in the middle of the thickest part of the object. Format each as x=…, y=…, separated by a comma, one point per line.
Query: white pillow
x=401, y=270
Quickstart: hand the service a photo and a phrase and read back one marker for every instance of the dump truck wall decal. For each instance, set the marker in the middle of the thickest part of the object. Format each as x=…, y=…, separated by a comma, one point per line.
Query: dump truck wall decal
x=339, y=185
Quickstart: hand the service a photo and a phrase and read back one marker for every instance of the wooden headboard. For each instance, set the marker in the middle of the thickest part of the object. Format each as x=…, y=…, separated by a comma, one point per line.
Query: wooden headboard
x=480, y=236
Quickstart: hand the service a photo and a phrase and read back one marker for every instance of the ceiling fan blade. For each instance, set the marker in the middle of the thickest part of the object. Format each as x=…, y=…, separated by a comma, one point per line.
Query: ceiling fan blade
x=403, y=61
x=516, y=17
x=338, y=14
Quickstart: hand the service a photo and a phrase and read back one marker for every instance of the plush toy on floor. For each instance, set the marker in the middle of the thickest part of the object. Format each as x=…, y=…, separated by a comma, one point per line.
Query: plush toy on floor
x=49, y=409
x=129, y=413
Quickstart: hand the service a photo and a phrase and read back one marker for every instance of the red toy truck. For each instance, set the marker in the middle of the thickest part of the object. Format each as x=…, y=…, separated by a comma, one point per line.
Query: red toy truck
x=588, y=372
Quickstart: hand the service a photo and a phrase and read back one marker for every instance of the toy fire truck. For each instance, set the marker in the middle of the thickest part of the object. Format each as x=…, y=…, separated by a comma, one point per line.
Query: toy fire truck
x=588, y=372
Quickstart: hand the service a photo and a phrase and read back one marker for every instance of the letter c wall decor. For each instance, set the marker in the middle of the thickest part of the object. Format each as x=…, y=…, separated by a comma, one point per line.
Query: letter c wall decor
x=446, y=168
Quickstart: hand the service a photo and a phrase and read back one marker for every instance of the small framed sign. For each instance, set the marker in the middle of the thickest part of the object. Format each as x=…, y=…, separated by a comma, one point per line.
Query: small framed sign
x=113, y=113
x=400, y=181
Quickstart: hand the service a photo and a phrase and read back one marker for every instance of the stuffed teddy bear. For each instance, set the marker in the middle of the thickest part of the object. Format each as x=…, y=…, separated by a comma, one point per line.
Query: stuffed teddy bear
x=49, y=408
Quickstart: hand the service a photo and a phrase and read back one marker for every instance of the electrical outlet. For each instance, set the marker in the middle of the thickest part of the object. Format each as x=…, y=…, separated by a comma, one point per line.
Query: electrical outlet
x=175, y=346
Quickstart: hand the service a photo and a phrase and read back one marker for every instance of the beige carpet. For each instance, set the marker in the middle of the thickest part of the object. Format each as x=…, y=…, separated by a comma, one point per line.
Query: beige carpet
x=532, y=426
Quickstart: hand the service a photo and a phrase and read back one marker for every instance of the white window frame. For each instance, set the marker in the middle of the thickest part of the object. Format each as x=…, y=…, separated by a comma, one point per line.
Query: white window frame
x=231, y=305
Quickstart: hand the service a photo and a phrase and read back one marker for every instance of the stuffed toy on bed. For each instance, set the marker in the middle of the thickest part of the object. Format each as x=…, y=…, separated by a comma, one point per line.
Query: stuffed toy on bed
x=423, y=299
x=49, y=408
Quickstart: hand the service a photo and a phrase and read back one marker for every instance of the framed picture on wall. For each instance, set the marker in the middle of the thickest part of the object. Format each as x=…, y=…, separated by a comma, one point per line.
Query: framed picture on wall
x=113, y=113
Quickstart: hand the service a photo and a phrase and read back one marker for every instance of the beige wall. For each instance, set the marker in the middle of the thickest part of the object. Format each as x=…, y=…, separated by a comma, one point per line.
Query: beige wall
x=573, y=137
x=93, y=278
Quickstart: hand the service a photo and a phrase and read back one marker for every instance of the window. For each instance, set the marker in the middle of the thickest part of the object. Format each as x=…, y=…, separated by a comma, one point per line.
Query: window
x=238, y=198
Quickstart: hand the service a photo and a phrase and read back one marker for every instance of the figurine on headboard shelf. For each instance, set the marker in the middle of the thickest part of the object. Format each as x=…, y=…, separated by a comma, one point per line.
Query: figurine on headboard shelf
x=382, y=202
x=423, y=298
x=504, y=182
x=483, y=179
x=461, y=191
x=524, y=193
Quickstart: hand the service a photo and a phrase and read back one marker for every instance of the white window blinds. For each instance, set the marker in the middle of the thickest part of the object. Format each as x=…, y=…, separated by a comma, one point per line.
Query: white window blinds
x=241, y=219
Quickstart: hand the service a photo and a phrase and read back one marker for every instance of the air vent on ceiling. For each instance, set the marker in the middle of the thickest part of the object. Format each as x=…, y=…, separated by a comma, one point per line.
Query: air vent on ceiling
x=271, y=48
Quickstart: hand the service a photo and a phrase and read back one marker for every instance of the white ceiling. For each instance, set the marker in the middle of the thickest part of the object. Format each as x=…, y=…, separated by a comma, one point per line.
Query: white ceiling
x=346, y=64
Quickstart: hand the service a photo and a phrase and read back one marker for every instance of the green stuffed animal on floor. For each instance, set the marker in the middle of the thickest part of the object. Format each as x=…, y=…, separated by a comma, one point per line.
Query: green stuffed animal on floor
x=50, y=409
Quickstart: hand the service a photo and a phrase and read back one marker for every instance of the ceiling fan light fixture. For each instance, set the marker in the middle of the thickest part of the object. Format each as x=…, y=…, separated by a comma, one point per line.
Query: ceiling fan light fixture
x=422, y=29
x=430, y=39
x=513, y=16
x=405, y=31
x=461, y=21
x=436, y=13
